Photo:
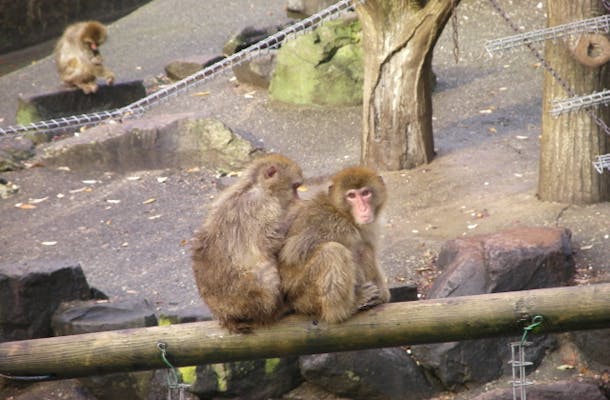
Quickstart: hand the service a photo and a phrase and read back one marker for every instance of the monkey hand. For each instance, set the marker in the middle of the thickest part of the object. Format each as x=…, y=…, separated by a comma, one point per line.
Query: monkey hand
x=368, y=296
x=110, y=78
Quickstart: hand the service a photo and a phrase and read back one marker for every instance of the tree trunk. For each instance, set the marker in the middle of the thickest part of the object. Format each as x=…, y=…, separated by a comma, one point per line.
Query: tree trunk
x=570, y=142
x=394, y=324
x=398, y=40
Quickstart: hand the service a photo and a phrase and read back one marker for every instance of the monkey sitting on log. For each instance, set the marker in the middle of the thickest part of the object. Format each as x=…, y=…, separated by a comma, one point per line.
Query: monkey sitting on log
x=235, y=252
x=328, y=265
x=78, y=59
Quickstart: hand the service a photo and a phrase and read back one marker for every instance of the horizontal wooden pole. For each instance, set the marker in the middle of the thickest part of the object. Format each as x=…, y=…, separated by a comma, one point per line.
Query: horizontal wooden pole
x=394, y=324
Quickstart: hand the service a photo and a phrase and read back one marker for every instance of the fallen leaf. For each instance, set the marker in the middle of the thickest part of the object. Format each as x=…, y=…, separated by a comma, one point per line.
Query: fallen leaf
x=565, y=367
x=154, y=216
x=133, y=178
x=64, y=168
x=520, y=137
x=90, y=181
x=162, y=179
x=36, y=201
x=590, y=246
x=472, y=226
x=111, y=201
x=77, y=190
x=124, y=244
x=201, y=94
x=486, y=111
x=249, y=95
x=25, y=206
x=194, y=169
x=49, y=243
x=149, y=201
x=302, y=188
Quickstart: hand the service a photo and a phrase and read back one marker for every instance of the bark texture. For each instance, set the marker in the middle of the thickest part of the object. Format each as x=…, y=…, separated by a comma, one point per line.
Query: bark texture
x=570, y=142
x=398, y=40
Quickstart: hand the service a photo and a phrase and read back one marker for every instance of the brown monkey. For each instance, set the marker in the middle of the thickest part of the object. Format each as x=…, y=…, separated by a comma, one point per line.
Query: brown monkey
x=235, y=252
x=77, y=56
x=327, y=264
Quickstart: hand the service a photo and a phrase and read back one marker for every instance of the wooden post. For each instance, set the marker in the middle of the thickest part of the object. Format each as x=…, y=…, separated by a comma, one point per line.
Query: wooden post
x=426, y=321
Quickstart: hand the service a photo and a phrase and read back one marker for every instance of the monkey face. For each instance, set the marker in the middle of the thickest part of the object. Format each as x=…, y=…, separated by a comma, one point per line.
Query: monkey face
x=361, y=205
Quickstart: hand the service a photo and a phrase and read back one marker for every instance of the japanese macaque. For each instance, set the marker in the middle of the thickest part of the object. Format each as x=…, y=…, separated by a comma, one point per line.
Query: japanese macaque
x=235, y=251
x=328, y=265
x=78, y=59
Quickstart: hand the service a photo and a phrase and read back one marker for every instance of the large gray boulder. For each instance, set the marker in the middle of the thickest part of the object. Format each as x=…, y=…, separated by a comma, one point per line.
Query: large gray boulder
x=595, y=345
x=30, y=292
x=378, y=374
x=75, y=317
x=14, y=150
x=161, y=141
x=517, y=259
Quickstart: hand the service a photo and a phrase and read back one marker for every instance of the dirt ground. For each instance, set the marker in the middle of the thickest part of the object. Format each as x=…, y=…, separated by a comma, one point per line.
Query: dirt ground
x=130, y=230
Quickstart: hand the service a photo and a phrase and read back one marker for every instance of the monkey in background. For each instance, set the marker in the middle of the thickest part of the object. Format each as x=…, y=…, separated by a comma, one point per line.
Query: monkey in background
x=328, y=264
x=235, y=251
x=78, y=59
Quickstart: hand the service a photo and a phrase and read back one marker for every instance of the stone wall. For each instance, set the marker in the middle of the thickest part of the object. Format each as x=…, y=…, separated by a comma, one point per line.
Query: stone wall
x=27, y=22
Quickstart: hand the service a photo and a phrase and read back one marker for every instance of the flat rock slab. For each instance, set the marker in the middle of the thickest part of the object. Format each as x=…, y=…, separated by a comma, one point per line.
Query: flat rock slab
x=156, y=142
x=66, y=103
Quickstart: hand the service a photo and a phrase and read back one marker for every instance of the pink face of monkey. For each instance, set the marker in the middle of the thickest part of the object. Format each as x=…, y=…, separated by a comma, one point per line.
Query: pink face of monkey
x=360, y=201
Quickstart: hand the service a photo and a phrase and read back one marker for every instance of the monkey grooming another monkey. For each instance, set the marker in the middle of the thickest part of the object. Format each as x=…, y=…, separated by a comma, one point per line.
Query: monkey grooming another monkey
x=328, y=265
x=78, y=59
x=235, y=252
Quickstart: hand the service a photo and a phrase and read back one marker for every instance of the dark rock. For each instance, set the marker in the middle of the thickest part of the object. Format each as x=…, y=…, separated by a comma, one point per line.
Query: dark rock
x=403, y=293
x=595, y=345
x=257, y=379
x=161, y=141
x=517, y=259
x=13, y=150
x=180, y=69
x=77, y=317
x=247, y=37
x=562, y=390
x=74, y=102
x=26, y=23
x=368, y=374
x=31, y=292
x=256, y=72
x=95, y=316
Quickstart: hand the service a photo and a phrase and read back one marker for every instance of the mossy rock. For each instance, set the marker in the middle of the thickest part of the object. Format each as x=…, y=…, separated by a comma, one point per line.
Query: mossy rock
x=323, y=67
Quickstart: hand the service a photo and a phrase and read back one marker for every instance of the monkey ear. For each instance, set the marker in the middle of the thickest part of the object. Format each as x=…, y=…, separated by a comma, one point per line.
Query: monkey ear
x=270, y=172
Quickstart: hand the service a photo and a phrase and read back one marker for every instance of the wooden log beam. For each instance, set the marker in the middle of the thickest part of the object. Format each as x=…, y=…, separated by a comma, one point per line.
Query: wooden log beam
x=426, y=321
